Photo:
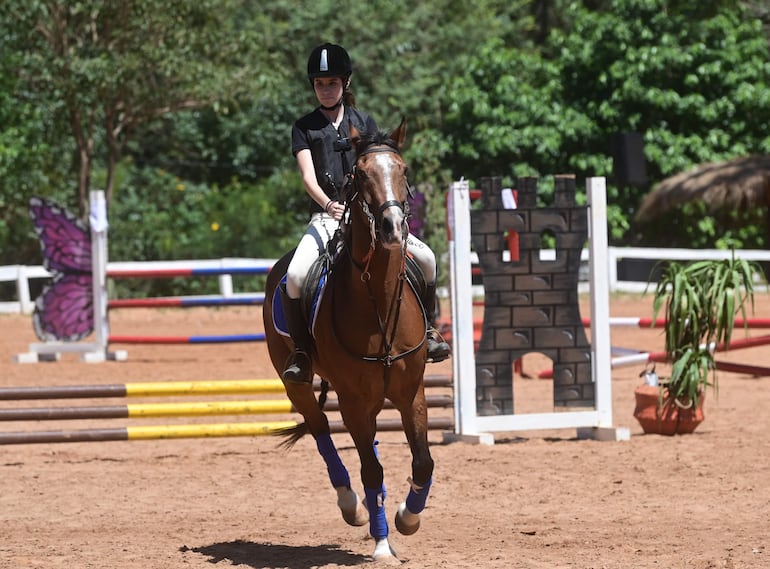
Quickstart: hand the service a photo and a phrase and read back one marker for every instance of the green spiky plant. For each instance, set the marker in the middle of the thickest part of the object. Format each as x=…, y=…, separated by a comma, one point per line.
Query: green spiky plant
x=701, y=300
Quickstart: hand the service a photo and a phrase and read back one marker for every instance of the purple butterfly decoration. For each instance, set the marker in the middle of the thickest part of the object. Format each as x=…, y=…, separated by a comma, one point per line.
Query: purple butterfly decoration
x=64, y=310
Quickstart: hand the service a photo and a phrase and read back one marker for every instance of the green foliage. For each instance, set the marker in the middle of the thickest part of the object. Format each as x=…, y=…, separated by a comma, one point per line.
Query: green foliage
x=203, y=95
x=694, y=80
x=162, y=217
x=33, y=159
x=700, y=301
x=113, y=66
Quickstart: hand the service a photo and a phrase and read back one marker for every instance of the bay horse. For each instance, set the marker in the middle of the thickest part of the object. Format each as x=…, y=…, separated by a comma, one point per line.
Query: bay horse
x=370, y=341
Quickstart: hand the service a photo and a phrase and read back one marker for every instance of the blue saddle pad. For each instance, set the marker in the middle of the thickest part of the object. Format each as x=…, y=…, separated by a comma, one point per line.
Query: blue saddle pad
x=279, y=316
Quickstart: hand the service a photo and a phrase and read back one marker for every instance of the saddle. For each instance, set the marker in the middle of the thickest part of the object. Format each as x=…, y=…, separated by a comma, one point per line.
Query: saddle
x=315, y=286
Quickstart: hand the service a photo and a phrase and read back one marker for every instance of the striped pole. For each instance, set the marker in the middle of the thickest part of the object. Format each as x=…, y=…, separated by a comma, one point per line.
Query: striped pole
x=644, y=322
x=661, y=322
x=226, y=339
x=148, y=410
x=186, y=272
x=187, y=302
x=154, y=410
x=649, y=357
x=166, y=388
x=145, y=389
x=188, y=431
x=146, y=433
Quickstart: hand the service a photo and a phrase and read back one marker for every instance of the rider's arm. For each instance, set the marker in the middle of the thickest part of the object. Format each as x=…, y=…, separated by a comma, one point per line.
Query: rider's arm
x=313, y=189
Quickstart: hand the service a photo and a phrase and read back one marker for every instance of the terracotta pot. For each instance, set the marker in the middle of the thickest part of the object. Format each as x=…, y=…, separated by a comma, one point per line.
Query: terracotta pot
x=671, y=419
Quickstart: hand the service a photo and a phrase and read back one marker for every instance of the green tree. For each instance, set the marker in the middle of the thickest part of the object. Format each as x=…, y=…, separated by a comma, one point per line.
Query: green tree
x=109, y=67
x=30, y=160
x=692, y=79
x=399, y=71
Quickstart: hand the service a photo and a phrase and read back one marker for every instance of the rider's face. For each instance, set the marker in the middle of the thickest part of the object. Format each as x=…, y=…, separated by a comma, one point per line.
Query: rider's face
x=328, y=90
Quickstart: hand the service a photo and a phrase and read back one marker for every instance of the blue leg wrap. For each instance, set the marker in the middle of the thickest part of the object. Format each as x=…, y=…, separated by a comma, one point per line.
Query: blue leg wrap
x=338, y=474
x=375, y=503
x=377, y=456
x=415, y=500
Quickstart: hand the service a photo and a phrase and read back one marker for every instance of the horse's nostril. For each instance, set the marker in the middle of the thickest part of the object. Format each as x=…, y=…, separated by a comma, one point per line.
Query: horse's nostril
x=387, y=226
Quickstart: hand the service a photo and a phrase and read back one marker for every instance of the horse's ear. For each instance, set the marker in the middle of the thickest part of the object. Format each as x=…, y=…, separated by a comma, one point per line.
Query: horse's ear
x=399, y=135
x=355, y=135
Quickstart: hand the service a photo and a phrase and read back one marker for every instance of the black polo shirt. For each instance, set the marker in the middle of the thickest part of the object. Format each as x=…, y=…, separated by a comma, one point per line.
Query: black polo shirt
x=315, y=132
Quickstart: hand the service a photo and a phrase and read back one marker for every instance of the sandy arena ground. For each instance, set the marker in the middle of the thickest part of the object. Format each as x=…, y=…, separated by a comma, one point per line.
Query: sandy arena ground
x=534, y=500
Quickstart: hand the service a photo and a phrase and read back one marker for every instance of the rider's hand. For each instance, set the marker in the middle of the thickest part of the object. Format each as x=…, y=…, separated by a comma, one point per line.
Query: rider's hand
x=335, y=209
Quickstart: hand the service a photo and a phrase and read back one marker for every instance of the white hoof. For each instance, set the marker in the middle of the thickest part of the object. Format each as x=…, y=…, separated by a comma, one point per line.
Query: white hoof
x=407, y=523
x=353, y=510
x=383, y=551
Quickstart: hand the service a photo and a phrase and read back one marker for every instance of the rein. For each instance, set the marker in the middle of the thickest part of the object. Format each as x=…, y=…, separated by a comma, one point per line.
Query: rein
x=393, y=312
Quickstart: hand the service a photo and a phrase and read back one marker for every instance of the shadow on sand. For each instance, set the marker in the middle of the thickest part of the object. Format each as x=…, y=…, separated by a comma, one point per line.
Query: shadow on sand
x=277, y=556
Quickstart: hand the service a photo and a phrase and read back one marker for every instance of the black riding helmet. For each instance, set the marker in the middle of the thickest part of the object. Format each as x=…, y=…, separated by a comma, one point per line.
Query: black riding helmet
x=329, y=60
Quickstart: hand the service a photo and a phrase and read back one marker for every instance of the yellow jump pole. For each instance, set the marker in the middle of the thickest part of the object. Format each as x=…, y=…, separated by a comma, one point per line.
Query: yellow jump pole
x=146, y=433
x=143, y=389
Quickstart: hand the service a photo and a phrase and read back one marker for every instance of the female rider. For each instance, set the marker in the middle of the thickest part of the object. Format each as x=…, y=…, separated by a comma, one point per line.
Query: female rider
x=320, y=143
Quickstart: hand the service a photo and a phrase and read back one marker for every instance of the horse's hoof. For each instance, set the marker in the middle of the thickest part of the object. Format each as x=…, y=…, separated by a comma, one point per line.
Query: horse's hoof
x=384, y=552
x=407, y=523
x=353, y=510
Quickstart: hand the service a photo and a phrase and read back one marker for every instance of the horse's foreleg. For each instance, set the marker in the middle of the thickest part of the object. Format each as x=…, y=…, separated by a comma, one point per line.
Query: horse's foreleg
x=372, y=477
x=408, y=514
x=415, y=421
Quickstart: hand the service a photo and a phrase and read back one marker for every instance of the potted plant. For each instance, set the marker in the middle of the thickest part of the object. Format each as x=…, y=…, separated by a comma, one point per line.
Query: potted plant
x=700, y=300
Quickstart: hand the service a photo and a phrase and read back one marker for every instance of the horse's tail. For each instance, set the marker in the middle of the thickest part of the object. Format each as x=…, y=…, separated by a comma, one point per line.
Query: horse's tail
x=292, y=435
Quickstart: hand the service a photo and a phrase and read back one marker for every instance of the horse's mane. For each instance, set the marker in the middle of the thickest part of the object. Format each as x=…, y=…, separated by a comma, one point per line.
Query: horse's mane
x=377, y=138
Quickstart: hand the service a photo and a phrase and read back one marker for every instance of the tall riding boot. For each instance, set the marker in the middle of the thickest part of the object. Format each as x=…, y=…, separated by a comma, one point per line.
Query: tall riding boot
x=299, y=367
x=438, y=349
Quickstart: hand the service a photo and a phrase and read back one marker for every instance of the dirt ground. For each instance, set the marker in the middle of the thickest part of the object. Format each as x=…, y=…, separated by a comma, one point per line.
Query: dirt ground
x=533, y=500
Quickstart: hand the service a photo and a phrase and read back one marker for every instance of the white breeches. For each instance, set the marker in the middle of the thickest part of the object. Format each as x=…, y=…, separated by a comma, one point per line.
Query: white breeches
x=313, y=243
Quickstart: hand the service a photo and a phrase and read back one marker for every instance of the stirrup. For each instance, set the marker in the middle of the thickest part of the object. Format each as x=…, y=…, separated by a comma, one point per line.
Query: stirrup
x=438, y=351
x=295, y=371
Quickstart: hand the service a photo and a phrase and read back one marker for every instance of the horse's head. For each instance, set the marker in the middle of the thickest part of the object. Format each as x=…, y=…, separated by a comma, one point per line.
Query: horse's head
x=380, y=184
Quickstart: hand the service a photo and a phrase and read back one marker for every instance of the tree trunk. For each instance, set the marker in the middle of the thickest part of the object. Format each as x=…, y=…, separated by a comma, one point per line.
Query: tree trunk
x=85, y=145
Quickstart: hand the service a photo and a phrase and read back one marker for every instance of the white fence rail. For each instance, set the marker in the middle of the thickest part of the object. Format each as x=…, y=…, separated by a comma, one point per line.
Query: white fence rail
x=23, y=274
x=629, y=269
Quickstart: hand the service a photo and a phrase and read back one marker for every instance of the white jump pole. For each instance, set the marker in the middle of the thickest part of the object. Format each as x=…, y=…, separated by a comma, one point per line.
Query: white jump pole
x=601, y=357
x=463, y=357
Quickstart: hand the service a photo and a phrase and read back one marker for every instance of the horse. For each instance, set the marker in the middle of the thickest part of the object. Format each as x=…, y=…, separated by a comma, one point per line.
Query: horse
x=370, y=340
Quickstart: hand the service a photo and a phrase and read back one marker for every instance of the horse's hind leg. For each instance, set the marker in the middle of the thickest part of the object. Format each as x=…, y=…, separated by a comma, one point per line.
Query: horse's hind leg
x=415, y=421
x=353, y=510
x=303, y=398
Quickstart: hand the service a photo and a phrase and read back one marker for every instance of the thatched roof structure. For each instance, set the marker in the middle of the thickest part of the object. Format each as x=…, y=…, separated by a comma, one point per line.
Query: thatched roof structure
x=741, y=183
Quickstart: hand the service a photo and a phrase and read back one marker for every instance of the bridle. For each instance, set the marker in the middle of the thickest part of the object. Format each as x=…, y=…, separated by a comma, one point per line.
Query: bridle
x=393, y=312
x=355, y=190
